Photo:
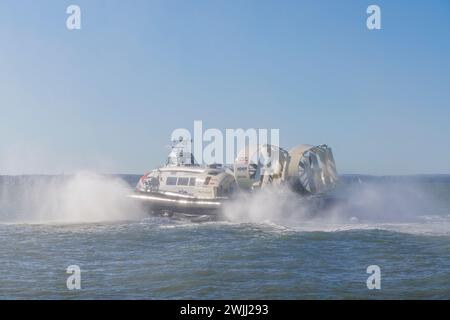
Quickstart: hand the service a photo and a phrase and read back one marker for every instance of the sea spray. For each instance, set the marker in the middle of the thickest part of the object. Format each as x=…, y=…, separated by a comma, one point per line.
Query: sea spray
x=80, y=198
x=363, y=205
x=389, y=201
x=271, y=204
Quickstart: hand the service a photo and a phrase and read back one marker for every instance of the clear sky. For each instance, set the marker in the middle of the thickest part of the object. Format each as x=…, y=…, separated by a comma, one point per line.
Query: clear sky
x=108, y=96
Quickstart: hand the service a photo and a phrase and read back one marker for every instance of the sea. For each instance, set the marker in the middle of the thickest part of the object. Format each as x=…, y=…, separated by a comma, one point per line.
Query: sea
x=80, y=237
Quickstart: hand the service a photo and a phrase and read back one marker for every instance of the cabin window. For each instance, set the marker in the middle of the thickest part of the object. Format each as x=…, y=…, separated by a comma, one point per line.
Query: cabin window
x=182, y=181
x=192, y=181
x=171, y=181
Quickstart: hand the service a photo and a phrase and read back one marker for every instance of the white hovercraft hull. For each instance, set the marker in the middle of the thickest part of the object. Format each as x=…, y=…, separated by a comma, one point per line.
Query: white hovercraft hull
x=163, y=203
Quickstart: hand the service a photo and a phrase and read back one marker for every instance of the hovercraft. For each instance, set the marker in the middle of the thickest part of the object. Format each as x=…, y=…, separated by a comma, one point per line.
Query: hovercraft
x=183, y=186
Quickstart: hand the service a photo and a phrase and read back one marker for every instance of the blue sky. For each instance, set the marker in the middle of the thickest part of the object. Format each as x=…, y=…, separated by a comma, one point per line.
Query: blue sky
x=108, y=96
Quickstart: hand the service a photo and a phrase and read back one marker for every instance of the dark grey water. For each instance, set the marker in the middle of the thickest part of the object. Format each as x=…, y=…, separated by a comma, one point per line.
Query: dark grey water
x=257, y=251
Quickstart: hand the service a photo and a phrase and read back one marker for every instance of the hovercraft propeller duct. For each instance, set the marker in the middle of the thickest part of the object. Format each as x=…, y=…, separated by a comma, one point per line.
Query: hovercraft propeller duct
x=307, y=169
